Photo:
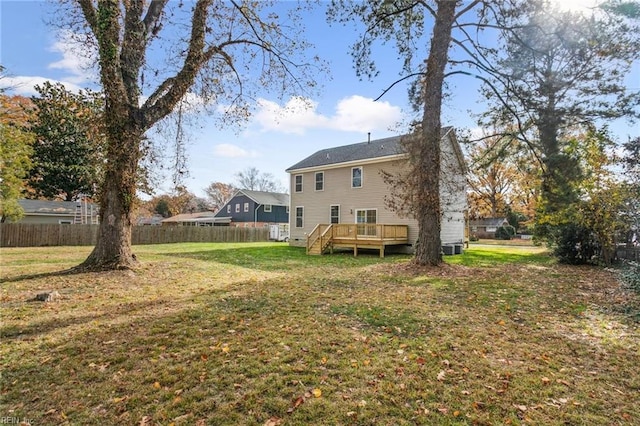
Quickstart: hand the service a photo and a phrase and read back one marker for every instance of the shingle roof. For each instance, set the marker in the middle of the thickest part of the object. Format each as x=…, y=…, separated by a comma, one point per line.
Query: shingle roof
x=490, y=221
x=263, y=197
x=50, y=207
x=189, y=217
x=360, y=151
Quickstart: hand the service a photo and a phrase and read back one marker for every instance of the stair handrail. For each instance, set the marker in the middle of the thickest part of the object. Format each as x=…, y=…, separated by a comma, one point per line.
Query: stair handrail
x=325, y=243
x=311, y=239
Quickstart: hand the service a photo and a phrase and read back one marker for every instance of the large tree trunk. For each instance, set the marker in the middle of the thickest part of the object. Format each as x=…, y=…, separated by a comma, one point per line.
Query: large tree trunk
x=428, y=212
x=117, y=195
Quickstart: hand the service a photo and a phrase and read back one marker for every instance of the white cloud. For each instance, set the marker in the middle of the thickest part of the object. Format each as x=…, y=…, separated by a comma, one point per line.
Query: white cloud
x=297, y=115
x=79, y=57
x=232, y=151
x=25, y=85
x=360, y=114
x=354, y=113
x=78, y=60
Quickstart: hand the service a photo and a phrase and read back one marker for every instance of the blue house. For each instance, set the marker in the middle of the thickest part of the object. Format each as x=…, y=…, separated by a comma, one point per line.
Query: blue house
x=256, y=208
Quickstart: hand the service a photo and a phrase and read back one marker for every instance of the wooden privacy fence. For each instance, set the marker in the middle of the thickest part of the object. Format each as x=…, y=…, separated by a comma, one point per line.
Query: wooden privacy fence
x=36, y=235
x=629, y=253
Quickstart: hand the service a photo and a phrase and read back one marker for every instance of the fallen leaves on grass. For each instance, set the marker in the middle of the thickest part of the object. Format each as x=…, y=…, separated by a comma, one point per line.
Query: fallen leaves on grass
x=298, y=401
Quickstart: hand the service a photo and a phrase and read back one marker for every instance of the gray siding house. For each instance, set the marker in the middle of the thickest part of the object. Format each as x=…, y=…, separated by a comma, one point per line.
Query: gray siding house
x=344, y=185
x=256, y=208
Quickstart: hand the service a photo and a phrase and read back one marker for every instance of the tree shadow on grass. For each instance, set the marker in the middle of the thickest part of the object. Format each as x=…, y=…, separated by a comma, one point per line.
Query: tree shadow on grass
x=283, y=258
x=27, y=277
x=9, y=332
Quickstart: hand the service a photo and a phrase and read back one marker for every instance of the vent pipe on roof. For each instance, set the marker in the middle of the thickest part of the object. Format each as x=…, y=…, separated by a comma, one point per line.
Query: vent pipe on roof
x=368, y=137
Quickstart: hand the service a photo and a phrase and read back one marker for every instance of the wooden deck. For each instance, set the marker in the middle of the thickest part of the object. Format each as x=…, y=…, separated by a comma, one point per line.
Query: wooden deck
x=356, y=236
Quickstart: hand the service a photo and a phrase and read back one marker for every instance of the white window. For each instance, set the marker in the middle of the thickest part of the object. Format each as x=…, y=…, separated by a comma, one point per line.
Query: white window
x=299, y=217
x=298, y=183
x=334, y=214
x=356, y=177
x=237, y=207
x=228, y=208
x=267, y=208
x=319, y=181
x=246, y=207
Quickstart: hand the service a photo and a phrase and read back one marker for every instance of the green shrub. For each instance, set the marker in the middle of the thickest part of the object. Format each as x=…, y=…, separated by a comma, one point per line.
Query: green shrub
x=574, y=245
x=505, y=232
x=630, y=276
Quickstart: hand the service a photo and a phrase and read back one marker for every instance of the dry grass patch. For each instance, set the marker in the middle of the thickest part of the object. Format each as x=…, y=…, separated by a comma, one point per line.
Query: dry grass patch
x=262, y=334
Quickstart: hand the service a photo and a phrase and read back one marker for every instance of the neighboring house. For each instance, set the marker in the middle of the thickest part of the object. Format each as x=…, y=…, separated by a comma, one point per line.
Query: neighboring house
x=344, y=185
x=486, y=228
x=196, y=219
x=58, y=212
x=154, y=220
x=256, y=208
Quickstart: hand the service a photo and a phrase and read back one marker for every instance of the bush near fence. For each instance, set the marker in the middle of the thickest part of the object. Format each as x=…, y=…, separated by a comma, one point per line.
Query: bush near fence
x=36, y=235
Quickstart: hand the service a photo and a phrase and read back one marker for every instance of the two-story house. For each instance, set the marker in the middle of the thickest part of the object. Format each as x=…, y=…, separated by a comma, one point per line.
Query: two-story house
x=344, y=186
x=256, y=208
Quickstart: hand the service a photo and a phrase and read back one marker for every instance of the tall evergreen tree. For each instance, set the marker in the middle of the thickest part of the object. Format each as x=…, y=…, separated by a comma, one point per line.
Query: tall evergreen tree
x=558, y=70
x=67, y=153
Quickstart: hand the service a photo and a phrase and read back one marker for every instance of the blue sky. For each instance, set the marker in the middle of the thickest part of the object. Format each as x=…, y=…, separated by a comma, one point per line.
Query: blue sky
x=272, y=140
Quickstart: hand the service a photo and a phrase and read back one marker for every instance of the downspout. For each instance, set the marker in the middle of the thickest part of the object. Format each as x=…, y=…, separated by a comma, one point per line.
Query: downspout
x=255, y=215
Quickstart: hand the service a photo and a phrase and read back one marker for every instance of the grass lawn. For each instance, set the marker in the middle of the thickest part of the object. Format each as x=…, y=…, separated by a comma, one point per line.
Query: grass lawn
x=261, y=334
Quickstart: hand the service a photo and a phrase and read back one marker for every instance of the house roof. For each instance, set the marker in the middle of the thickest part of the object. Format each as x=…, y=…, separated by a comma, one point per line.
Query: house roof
x=264, y=197
x=156, y=219
x=189, y=217
x=49, y=207
x=490, y=221
x=378, y=148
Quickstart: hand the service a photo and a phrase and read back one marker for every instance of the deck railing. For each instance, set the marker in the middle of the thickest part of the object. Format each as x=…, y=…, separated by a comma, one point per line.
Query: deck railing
x=323, y=235
x=377, y=231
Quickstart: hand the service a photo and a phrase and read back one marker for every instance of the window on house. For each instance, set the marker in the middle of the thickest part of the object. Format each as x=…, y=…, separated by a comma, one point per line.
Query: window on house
x=267, y=208
x=64, y=222
x=286, y=210
x=246, y=207
x=298, y=183
x=237, y=207
x=356, y=177
x=334, y=215
x=299, y=217
x=229, y=208
x=319, y=181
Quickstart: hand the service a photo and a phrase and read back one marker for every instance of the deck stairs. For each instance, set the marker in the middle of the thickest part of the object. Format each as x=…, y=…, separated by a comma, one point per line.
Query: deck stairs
x=319, y=239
